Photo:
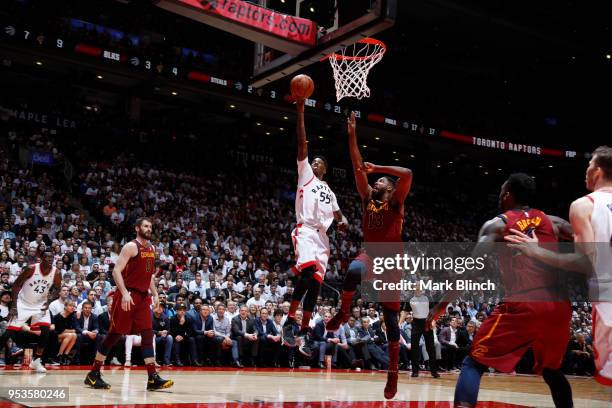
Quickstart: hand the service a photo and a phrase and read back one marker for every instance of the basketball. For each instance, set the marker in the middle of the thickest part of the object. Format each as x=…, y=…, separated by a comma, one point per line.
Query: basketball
x=302, y=86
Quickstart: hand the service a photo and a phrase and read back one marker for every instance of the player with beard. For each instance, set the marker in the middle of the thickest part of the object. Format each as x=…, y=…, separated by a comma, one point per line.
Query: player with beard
x=35, y=288
x=591, y=221
x=383, y=219
x=131, y=311
x=534, y=313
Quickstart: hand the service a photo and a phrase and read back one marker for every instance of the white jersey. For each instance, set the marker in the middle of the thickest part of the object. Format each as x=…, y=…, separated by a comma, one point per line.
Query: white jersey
x=35, y=289
x=315, y=202
x=601, y=221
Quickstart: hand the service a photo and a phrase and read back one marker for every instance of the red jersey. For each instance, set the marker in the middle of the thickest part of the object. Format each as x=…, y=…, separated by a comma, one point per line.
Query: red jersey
x=521, y=273
x=139, y=269
x=381, y=222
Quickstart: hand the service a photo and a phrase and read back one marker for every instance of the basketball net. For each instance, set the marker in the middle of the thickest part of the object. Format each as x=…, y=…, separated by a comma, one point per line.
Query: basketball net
x=352, y=65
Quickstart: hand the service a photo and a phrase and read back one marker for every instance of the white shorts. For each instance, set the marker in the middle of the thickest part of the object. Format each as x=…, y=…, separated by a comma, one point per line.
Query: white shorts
x=602, y=341
x=311, y=247
x=25, y=312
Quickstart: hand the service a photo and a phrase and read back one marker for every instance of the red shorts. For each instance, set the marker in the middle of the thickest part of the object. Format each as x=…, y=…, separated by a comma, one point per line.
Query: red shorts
x=134, y=321
x=513, y=328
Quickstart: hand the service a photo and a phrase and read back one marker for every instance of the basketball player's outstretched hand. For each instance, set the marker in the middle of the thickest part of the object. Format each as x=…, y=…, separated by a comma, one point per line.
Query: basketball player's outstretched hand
x=350, y=124
x=126, y=302
x=369, y=167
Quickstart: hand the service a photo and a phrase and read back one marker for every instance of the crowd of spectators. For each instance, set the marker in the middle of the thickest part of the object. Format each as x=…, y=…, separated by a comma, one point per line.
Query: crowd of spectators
x=223, y=268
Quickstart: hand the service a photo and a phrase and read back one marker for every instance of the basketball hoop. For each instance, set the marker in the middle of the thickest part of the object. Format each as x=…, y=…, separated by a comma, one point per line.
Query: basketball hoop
x=352, y=66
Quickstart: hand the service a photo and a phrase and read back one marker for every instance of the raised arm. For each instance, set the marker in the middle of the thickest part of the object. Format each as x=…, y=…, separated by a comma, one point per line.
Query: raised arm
x=302, y=143
x=361, y=177
x=403, y=174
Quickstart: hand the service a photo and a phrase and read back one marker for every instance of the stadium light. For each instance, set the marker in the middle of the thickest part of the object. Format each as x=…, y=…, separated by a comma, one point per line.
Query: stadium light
x=174, y=93
x=285, y=117
x=39, y=63
x=268, y=133
x=608, y=56
x=377, y=138
x=99, y=77
x=233, y=106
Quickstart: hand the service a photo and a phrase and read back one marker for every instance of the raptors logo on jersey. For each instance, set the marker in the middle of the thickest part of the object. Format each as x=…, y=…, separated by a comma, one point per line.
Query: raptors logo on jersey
x=36, y=289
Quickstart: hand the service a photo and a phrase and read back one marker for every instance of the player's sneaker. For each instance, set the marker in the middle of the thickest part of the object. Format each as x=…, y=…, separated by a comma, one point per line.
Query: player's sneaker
x=128, y=363
x=94, y=380
x=338, y=320
x=158, y=383
x=37, y=365
x=304, y=347
x=391, y=386
x=288, y=335
x=115, y=362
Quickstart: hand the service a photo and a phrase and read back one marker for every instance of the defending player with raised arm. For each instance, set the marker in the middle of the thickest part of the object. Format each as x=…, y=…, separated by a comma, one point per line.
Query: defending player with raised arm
x=315, y=209
x=383, y=219
x=591, y=221
x=530, y=290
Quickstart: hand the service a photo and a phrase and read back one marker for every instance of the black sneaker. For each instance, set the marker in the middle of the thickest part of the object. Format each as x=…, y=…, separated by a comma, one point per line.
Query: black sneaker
x=94, y=380
x=158, y=383
x=288, y=335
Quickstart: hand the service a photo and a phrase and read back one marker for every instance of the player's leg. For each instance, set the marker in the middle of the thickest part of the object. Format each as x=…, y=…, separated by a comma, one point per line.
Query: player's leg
x=129, y=344
x=143, y=323
x=560, y=389
x=390, y=311
x=310, y=300
x=121, y=324
x=602, y=341
x=353, y=278
x=468, y=383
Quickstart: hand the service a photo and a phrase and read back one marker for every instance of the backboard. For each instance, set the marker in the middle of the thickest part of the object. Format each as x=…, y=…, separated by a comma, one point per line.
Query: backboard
x=290, y=34
x=352, y=20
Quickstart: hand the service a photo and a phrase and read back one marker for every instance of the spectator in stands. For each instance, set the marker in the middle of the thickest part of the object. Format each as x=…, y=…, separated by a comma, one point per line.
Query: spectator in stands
x=581, y=360
x=245, y=334
x=448, y=340
x=203, y=328
x=366, y=334
x=269, y=340
x=66, y=328
x=163, y=339
x=325, y=341
x=87, y=331
x=182, y=334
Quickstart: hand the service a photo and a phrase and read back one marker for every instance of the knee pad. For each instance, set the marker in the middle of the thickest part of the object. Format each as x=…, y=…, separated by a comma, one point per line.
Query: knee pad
x=353, y=276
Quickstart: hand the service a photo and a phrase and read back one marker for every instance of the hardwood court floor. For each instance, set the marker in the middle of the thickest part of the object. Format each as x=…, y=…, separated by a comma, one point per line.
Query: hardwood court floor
x=283, y=388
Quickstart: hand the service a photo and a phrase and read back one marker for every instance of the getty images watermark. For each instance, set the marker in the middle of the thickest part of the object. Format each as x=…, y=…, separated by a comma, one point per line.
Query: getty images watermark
x=395, y=270
x=411, y=264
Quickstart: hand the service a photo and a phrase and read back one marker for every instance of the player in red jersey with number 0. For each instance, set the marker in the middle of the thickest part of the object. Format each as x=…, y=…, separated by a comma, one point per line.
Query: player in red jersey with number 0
x=131, y=308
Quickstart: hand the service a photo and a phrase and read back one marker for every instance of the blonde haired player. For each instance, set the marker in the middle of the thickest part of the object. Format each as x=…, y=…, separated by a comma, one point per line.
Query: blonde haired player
x=315, y=209
x=591, y=219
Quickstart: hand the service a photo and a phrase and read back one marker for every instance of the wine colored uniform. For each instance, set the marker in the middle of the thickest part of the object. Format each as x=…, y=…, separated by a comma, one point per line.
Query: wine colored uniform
x=382, y=223
x=137, y=278
x=533, y=314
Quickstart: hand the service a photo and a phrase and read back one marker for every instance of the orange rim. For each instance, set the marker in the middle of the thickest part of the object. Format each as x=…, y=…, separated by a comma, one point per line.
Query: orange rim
x=366, y=40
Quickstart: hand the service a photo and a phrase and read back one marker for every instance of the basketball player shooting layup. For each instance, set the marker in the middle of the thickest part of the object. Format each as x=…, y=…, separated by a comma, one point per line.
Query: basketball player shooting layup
x=131, y=311
x=35, y=288
x=315, y=209
x=383, y=218
x=591, y=219
x=533, y=313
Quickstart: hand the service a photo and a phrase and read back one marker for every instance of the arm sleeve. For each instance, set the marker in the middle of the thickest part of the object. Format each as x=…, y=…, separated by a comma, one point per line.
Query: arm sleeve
x=305, y=173
x=335, y=206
